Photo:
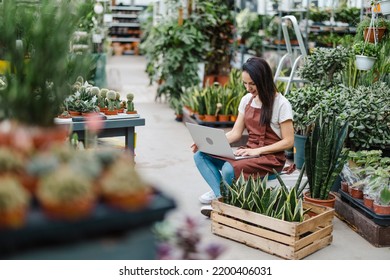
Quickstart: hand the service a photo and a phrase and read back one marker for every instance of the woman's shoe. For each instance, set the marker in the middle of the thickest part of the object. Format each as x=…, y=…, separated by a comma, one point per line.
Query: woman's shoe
x=206, y=210
x=207, y=197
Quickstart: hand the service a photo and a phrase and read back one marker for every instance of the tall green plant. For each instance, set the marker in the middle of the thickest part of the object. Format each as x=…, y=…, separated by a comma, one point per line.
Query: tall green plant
x=36, y=40
x=325, y=156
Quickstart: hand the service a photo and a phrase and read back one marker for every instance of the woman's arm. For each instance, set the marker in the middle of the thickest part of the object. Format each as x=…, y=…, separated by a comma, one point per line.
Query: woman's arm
x=235, y=134
x=287, y=142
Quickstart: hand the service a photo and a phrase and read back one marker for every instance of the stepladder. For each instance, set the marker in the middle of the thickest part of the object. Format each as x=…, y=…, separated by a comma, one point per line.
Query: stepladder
x=290, y=61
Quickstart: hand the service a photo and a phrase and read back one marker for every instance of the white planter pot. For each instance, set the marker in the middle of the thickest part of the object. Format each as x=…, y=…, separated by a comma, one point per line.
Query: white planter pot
x=385, y=7
x=364, y=62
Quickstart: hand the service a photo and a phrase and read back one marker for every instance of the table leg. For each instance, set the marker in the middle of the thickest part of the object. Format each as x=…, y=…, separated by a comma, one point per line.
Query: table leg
x=129, y=138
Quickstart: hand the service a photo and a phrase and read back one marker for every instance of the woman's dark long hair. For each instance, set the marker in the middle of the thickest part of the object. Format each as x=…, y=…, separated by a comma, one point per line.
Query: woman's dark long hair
x=261, y=74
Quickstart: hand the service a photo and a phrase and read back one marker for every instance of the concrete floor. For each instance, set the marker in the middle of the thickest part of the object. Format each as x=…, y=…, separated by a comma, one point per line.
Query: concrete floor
x=164, y=158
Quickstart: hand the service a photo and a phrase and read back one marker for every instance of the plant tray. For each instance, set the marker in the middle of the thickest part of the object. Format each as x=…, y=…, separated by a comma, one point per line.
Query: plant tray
x=288, y=240
x=40, y=231
x=382, y=220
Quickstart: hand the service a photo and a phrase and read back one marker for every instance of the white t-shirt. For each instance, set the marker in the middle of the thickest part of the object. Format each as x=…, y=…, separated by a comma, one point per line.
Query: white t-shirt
x=282, y=110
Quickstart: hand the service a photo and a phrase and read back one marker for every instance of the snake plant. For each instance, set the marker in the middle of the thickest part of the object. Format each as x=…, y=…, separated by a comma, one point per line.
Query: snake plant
x=254, y=195
x=324, y=156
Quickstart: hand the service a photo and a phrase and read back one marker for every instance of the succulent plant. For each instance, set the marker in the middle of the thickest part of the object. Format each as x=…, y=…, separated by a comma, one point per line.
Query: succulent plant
x=102, y=98
x=10, y=161
x=122, y=178
x=117, y=100
x=62, y=186
x=130, y=104
x=12, y=194
x=111, y=97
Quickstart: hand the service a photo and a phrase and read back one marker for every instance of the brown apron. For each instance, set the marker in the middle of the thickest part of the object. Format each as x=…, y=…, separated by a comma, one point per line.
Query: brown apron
x=259, y=136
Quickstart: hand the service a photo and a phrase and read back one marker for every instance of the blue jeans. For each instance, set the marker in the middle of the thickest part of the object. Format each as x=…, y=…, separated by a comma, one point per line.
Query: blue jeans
x=213, y=170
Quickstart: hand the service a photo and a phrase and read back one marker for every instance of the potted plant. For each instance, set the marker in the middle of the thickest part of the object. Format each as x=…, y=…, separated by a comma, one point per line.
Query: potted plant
x=382, y=204
x=324, y=65
x=302, y=101
x=324, y=159
x=65, y=196
x=250, y=212
x=123, y=188
x=130, y=104
x=177, y=106
x=211, y=99
x=369, y=28
x=14, y=203
x=111, y=103
x=35, y=90
x=215, y=19
x=365, y=53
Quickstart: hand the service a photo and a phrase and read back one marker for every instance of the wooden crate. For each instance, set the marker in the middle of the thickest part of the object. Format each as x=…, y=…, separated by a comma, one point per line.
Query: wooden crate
x=289, y=240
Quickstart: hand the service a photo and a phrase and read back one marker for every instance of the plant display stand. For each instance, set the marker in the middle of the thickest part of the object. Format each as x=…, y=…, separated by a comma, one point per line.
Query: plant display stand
x=377, y=235
x=288, y=240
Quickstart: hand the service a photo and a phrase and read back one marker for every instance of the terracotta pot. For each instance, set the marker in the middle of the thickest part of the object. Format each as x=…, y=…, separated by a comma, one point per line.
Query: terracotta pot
x=324, y=202
x=368, y=201
x=356, y=193
x=371, y=33
x=210, y=118
x=74, y=113
x=44, y=137
x=223, y=118
x=131, y=112
x=114, y=112
x=72, y=210
x=15, y=218
x=381, y=209
x=223, y=79
x=233, y=118
x=201, y=117
x=344, y=186
x=131, y=201
x=209, y=80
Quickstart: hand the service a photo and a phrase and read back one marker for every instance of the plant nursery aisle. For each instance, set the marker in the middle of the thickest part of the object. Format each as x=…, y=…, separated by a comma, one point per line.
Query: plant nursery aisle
x=164, y=158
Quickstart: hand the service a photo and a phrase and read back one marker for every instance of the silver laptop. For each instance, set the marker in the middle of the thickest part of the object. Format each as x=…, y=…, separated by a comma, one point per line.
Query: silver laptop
x=212, y=141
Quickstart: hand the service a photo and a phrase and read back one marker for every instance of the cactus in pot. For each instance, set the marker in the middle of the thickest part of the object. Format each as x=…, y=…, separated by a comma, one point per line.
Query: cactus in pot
x=14, y=203
x=102, y=99
x=122, y=186
x=130, y=104
x=111, y=103
x=66, y=196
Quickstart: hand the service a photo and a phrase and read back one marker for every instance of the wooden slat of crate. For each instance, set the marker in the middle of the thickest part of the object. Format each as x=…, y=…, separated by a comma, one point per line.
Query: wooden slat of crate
x=269, y=246
x=324, y=217
x=272, y=235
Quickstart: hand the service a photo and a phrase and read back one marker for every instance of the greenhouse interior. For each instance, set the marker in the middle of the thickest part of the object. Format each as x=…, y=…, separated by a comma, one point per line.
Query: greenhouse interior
x=131, y=115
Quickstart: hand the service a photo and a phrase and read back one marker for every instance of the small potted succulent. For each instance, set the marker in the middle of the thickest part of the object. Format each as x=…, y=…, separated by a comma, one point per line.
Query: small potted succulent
x=14, y=203
x=123, y=188
x=65, y=196
x=130, y=104
x=111, y=103
x=102, y=103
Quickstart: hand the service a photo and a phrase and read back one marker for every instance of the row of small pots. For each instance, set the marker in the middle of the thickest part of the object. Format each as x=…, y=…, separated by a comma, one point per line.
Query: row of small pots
x=368, y=201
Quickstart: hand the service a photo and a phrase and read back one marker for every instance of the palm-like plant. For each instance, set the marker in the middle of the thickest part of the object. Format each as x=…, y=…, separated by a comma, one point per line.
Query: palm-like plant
x=324, y=156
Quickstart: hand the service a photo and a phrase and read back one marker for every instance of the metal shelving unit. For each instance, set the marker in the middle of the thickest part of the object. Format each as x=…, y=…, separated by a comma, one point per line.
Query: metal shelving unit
x=125, y=27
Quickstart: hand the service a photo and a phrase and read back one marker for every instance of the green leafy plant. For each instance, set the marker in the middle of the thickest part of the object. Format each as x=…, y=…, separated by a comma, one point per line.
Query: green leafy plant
x=365, y=48
x=254, y=195
x=38, y=76
x=173, y=52
x=384, y=196
x=324, y=156
x=324, y=65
